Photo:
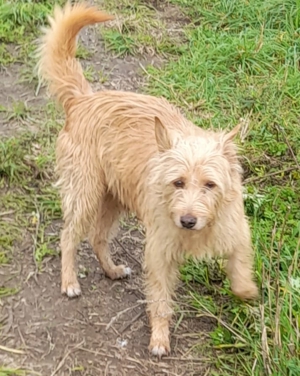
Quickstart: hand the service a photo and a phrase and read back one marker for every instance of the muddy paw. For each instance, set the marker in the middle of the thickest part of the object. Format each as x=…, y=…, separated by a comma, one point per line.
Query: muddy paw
x=246, y=292
x=72, y=290
x=159, y=349
x=120, y=271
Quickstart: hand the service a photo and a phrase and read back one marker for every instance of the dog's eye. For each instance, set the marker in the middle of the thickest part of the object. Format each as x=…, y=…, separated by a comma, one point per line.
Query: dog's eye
x=179, y=184
x=210, y=185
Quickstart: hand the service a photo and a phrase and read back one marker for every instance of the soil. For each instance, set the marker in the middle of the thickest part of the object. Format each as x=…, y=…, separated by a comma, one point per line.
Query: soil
x=103, y=332
x=106, y=330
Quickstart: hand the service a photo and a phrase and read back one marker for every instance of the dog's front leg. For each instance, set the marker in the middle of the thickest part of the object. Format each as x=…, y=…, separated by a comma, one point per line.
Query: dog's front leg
x=240, y=264
x=161, y=276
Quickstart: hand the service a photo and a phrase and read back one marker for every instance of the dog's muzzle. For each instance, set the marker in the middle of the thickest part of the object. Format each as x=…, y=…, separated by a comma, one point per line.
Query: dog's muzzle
x=188, y=221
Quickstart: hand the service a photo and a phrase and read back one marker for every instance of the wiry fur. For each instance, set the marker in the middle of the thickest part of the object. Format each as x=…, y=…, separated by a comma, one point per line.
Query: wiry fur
x=124, y=151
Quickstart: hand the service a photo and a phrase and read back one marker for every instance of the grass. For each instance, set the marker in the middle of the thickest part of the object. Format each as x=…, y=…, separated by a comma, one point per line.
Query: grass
x=139, y=28
x=20, y=24
x=5, y=291
x=16, y=372
x=20, y=20
x=236, y=61
x=11, y=372
x=28, y=201
x=26, y=160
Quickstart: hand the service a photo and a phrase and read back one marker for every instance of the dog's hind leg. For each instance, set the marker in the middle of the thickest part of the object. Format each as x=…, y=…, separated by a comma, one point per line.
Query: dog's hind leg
x=104, y=228
x=161, y=264
x=69, y=241
x=79, y=204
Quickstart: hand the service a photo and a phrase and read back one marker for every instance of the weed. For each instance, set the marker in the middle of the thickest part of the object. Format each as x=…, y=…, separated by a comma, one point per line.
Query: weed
x=90, y=73
x=102, y=77
x=19, y=111
x=120, y=43
x=3, y=255
x=5, y=56
x=82, y=52
x=43, y=251
x=5, y=291
x=12, y=372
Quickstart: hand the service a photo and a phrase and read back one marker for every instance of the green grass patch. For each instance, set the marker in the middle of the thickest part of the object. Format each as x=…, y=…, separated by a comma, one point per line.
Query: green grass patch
x=28, y=201
x=14, y=372
x=241, y=63
x=20, y=24
x=5, y=291
x=3, y=255
x=22, y=19
x=139, y=28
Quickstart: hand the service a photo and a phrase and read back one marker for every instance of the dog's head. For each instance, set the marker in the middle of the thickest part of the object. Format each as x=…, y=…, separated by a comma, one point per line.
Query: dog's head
x=197, y=174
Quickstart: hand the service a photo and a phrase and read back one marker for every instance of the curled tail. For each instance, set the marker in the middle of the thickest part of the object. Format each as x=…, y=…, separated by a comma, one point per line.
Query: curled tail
x=57, y=64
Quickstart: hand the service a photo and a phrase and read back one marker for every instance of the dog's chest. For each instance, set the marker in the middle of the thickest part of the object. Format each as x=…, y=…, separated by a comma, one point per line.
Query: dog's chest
x=203, y=245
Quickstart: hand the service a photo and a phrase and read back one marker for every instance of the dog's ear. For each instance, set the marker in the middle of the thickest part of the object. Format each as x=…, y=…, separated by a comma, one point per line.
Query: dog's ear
x=230, y=149
x=161, y=135
x=231, y=135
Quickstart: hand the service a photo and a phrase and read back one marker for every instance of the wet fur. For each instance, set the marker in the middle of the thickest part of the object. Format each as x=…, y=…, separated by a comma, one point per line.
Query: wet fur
x=123, y=151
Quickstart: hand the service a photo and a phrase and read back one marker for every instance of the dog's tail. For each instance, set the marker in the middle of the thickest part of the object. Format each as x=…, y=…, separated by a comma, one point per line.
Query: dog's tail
x=57, y=64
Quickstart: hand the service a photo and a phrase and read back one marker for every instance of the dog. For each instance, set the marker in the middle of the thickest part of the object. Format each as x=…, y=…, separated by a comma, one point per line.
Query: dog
x=121, y=151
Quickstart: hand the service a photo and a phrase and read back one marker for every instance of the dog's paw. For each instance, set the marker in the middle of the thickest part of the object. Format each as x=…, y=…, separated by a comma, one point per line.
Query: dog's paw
x=159, y=351
x=72, y=290
x=159, y=348
x=250, y=291
x=127, y=271
x=120, y=271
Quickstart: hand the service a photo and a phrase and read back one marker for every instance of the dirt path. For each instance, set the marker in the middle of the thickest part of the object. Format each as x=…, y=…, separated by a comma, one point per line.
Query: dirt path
x=105, y=331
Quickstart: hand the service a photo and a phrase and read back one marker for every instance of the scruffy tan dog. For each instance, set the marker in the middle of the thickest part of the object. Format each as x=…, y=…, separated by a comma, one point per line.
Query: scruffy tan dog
x=124, y=151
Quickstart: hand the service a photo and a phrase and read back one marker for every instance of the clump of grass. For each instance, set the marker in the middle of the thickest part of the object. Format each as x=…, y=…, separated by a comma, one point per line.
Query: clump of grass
x=82, y=52
x=11, y=152
x=138, y=28
x=90, y=73
x=5, y=291
x=5, y=56
x=3, y=255
x=18, y=111
x=241, y=64
x=12, y=372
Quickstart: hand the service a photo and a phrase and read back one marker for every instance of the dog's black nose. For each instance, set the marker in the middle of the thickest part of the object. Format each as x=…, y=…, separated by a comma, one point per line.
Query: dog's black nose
x=188, y=221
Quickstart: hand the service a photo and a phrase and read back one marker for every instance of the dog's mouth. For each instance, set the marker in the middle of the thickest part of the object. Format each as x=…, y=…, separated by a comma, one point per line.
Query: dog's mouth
x=189, y=228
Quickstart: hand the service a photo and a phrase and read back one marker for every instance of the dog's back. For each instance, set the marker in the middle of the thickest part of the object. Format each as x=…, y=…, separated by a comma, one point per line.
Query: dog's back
x=116, y=131
x=112, y=131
